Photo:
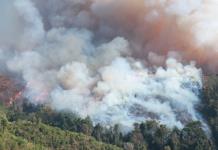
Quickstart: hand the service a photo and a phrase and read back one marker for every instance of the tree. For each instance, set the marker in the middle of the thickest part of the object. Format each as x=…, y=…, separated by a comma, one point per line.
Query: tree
x=136, y=137
x=161, y=136
x=148, y=130
x=98, y=132
x=174, y=139
x=86, y=126
x=4, y=124
x=117, y=137
x=193, y=138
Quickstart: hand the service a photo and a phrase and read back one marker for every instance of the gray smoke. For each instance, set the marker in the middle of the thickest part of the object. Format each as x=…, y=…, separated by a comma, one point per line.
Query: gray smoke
x=117, y=61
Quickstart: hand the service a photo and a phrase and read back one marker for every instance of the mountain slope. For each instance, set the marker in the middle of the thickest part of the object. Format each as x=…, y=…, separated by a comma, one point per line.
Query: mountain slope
x=27, y=135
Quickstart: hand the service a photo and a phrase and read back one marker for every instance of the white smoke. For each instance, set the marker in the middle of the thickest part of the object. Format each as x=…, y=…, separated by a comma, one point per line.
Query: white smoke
x=117, y=61
x=20, y=21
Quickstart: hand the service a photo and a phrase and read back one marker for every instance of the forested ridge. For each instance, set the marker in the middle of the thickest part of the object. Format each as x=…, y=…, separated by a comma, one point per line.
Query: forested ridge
x=32, y=134
x=108, y=75
x=27, y=126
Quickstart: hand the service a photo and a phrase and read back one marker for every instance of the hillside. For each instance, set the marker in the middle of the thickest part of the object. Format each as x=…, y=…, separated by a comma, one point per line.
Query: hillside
x=210, y=104
x=27, y=126
x=108, y=75
x=26, y=135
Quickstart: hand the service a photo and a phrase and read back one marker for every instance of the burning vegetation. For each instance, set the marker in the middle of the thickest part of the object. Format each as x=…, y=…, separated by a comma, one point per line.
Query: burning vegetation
x=116, y=61
x=10, y=91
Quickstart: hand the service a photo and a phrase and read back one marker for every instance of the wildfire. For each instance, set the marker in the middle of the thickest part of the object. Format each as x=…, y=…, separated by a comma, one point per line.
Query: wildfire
x=10, y=91
x=15, y=97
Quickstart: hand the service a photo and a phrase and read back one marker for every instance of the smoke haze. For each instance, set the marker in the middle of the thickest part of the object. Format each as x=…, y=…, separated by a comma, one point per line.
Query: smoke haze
x=118, y=61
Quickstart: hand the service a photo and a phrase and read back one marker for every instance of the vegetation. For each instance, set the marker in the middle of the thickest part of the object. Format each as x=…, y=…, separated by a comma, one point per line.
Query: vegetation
x=28, y=135
x=27, y=127
x=210, y=104
x=41, y=125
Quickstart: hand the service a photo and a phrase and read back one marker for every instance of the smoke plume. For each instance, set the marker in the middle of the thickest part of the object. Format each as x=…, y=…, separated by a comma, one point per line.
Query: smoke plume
x=117, y=61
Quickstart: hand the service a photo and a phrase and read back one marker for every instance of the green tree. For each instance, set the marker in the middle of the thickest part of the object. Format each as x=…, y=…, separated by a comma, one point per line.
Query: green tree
x=98, y=132
x=193, y=138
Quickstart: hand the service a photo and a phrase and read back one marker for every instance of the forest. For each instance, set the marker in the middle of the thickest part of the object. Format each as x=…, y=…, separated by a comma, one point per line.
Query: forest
x=108, y=75
x=28, y=126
